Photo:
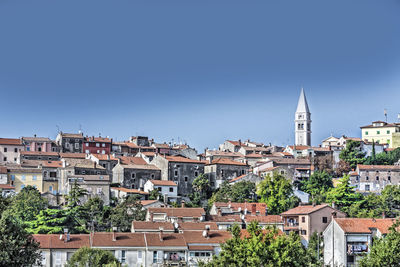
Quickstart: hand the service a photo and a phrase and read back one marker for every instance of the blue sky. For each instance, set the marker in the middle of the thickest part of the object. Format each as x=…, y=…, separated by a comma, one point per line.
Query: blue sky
x=201, y=71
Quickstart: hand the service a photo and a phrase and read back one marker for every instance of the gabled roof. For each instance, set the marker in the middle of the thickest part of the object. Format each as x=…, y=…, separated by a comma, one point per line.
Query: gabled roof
x=130, y=190
x=10, y=141
x=140, y=166
x=264, y=219
x=183, y=160
x=225, y=218
x=37, y=139
x=306, y=209
x=97, y=139
x=53, y=241
x=147, y=202
x=132, y=160
x=179, y=212
x=6, y=186
x=152, y=226
x=299, y=147
x=364, y=225
x=105, y=239
x=225, y=161
x=163, y=183
x=302, y=105
x=73, y=155
x=378, y=167
x=168, y=240
x=214, y=237
x=3, y=170
x=104, y=157
x=72, y=135
x=44, y=163
x=197, y=226
x=39, y=153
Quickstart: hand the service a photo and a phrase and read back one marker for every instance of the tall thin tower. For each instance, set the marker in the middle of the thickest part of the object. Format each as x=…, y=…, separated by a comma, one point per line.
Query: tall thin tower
x=302, y=121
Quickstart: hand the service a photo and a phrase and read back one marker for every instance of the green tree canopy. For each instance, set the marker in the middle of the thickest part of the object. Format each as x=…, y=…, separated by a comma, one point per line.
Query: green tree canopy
x=384, y=251
x=92, y=257
x=127, y=211
x=343, y=195
x=238, y=192
x=75, y=195
x=17, y=246
x=319, y=183
x=260, y=248
x=277, y=192
x=352, y=154
x=27, y=204
x=384, y=158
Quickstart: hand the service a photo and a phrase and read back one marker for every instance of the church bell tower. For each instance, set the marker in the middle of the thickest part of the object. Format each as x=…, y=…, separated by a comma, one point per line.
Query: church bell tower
x=302, y=122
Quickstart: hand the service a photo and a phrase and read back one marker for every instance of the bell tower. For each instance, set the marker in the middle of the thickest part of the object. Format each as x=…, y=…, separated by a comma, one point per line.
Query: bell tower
x=302, y=122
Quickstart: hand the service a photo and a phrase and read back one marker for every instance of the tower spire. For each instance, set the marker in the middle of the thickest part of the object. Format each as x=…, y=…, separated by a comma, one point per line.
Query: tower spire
x=302, y=121
x=302, y=105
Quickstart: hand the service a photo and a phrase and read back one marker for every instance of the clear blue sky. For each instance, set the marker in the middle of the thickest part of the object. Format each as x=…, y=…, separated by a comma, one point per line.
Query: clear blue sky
x=203, y=71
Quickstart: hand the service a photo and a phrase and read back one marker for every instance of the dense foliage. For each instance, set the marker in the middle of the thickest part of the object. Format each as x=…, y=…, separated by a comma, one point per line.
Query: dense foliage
x=125, y=212
x=238, y=192
x=262, y=248
x=343, y=195
x=384, y=158
x=352, y=154
x=93, y=257
x=319, y=183
x=277, y=192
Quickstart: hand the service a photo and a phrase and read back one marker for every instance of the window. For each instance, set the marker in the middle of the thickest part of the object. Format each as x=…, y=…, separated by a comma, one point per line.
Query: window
x=171, y=189
x=83, y=172
x=139, y=256
x=15, y=150
x=104, y=165
x=159, y=189
x=367, y=187
x=152, y=175
x=196, y=173
x=76, y=140
x=103, y=152
x=76, y=145
x=389, y=178
x=123, y=256
x=98, y=151
x=175, y=173
x=5, y=159
x=133, y=175
x=103, y=145
x=366, y=132
x=303, y=219
x=378, y=132
x=186, y=178
x=23, y=178
x=28, y=148
x=388, y=131
x=303, y=232
x=86, y=144
x=50, y=188
x=87, y=151
x=5, y=149
x=324, y=219
x=97, y=145
x=15, y=159
x=154, y=256
x=377, y=178
x=12, y=177
x=366, y=178
x=34, y=178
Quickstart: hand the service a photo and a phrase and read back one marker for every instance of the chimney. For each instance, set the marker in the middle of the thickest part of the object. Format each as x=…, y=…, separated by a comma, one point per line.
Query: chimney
x=182, y=203
x=240, y=142
x=333, y=205
x=66, y=235
x=229, y=204
x=334, y=214
x=114, y=237
x=383, y=215
x=161, y=233
x=253, y=209
x=34, y=135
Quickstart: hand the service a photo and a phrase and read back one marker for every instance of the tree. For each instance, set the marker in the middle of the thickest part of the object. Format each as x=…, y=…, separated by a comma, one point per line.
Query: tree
x=96, y=215
x=384, y=251
x=277, y=192
x=343, y=195
x=369, y=206
x=92, y=257
x=18, y=248
x=27, y=204
x=54, y=221
x=390, y=200
x=319, y=183
x=75, y=195
x=201, y=190
x=260, y=248
x=125, y=212
x=352, y=154
x=238, y=192
x=315, y=250
x=383, y=158
x=155, y=195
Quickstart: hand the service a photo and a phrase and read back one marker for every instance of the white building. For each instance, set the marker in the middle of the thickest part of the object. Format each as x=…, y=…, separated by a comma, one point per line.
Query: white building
x=168, y=189
x=302, y=122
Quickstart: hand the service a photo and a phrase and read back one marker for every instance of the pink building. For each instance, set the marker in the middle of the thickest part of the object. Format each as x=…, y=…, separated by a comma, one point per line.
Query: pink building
x=39, y=144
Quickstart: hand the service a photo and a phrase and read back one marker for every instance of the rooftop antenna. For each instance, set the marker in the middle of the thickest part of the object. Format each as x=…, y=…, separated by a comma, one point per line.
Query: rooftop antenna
x=385, y=112
x=80, y=128
x=398, y=117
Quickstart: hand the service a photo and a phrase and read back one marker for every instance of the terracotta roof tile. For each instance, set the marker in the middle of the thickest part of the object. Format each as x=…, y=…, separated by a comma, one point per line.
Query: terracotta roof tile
x=264, y=219
x=306, y=209
x=105, y=239
x=152, y=226
x=225, y=218
x=163, y=183
x=132, y=160
x=225, y=161
x=104, y=157
x=179, y=212
x=364, y=225
x=214, y=237
x=183, y=160
x=53, y=241
x=197, y=226
x=10, y=141
x=129, y=190
x=73, y=155
x=6, y=186
x=39, y=153
x=147, y=202
x=3, y=170
x=97, y=139
x=378, y=167
x=168, y=240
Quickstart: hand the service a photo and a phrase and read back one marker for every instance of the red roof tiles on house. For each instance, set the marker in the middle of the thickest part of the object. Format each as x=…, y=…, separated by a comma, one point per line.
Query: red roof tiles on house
x=364, y=225
x=132, y=160
x=129, y=190
x=163, y=183
x=225, y=161
x=166, y=240
x=306, y=209
x=10, y=141
x=378, y=167
x=183, y=160
x=105, y=239
x=48, y=241
x=179, y=212
x=264, y=219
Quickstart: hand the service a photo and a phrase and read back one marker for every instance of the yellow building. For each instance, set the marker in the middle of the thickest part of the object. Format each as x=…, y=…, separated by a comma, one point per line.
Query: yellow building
x=21, y=177
x=382, y=132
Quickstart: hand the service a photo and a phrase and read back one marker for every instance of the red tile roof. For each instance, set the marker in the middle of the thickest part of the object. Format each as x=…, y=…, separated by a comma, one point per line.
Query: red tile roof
x=214, y=237
x=152, y=226
x=183, y=160
x=147, y=202
x=128, y=190
x=3, y=170
x=179, y=212
x=300, y=147
x=378, y=167
x=163, y=183
x=10, y=141
x=225, y=161
x=98, y=139
x=73, y=155
x=104, y=157
x=132, y=160
x=306, y=209
x=53, y=241
x=6, y=186
x=201, y=248
x=260, y=207
x=168, y=240
x=264, y=219
x=237, y=178
x=225, y=218
x=39, y=153
x=105, y=239
x=197, y=226
x=364, y=225
x=44, y=163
